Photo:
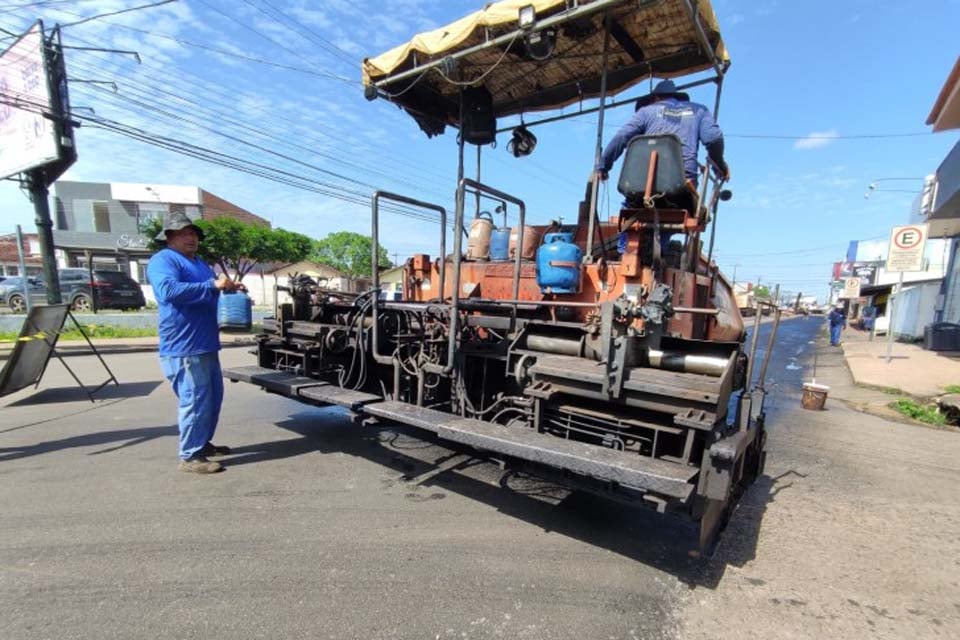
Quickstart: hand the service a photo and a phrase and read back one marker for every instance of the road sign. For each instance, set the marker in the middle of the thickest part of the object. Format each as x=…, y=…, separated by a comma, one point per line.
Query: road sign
x=851, y=288
x=906, y=248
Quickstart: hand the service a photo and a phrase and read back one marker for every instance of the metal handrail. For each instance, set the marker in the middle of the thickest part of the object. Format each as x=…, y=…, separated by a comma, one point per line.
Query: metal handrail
x=458, y=256
x=375, y=217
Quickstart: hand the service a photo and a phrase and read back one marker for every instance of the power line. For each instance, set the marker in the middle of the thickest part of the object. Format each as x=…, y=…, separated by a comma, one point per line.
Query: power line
x=256, y=32
x=223, y=52
x=229, y=161
x=406, y=167
x=310, y=33
x=116, y=13
x=258, y=127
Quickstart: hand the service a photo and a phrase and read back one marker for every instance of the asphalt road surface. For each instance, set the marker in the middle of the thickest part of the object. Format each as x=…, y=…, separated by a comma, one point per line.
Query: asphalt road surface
x=320, y=528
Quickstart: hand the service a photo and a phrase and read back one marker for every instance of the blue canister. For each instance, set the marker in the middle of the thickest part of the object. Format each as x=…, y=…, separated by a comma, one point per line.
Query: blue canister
x=235, y=311
x=500, y=245
x=558, y=264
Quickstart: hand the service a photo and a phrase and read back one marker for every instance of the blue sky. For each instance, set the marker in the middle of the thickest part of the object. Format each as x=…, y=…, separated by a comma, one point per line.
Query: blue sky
x=854, y=67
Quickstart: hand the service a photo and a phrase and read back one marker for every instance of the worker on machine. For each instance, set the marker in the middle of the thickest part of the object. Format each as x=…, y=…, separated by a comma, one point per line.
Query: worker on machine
x=668, y=111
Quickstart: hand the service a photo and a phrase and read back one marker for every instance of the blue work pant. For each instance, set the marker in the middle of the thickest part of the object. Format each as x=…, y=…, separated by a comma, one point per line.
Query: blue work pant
x=198, y=384
x=835, y=334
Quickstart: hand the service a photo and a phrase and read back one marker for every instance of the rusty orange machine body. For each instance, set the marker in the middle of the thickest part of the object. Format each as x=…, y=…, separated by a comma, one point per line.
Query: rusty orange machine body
x=708, y=309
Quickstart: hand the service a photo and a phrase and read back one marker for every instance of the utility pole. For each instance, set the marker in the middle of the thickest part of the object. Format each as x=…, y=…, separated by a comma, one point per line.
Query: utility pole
x=22, y=265
x=37, y=185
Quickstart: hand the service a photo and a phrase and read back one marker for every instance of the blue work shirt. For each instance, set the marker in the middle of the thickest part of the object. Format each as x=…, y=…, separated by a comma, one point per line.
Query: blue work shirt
x=689, y=121
x=837, y=319
x=187, y=300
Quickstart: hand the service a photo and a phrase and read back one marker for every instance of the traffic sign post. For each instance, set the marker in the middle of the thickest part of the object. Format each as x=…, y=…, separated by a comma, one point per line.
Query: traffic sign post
x=851, y=288
x=907, y=244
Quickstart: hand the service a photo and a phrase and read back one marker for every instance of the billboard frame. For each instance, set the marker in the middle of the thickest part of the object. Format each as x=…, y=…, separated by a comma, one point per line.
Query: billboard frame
x=52, y=109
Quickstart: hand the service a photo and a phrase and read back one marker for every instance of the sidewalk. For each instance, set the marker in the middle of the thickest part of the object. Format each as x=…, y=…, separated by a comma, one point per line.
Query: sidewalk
x=860, y=379
x=912, y=370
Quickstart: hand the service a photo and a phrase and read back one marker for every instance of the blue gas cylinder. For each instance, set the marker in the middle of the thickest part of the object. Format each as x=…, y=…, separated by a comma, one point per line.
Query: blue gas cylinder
x=558, y=264
x=500, y=244
x=234, y=311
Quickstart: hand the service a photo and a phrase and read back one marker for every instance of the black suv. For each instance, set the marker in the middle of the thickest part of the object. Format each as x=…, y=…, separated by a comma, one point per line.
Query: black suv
x=113, y=290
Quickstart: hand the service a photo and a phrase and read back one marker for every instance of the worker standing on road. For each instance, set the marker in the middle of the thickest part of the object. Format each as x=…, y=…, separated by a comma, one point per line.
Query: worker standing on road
x=837, y=321
x=667, y=110
x=187, y=292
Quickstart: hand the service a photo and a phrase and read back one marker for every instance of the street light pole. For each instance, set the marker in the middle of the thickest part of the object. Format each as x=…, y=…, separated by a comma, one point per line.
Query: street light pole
x=873, y=186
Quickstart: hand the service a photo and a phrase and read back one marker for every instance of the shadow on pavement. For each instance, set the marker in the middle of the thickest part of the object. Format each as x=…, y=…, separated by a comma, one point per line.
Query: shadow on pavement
x=74, y=394
x=631, y=531
x=121, y=439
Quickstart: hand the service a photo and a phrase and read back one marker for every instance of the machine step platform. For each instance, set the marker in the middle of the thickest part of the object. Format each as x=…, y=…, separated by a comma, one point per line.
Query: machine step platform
x=627, y=469
x=299, y=387
x=281, y=382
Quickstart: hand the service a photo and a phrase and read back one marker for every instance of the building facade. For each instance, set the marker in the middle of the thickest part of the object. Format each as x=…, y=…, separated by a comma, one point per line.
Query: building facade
x=10, y=256
x=943, y=216
x=103, y=222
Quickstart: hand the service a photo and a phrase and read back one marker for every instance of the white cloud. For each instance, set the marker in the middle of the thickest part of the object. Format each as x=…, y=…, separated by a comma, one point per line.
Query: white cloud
x=816, y=139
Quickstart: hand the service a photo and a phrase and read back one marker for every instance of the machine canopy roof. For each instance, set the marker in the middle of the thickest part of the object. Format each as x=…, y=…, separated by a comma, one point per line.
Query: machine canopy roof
x=660, y=38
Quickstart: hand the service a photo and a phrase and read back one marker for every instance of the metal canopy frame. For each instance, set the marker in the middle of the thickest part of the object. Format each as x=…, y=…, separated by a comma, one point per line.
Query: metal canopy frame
x=405, y=89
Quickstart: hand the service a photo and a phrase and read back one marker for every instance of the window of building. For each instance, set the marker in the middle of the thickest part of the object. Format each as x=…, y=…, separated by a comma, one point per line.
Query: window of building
x=138, y=271
x=147, y=211
x=101, y=217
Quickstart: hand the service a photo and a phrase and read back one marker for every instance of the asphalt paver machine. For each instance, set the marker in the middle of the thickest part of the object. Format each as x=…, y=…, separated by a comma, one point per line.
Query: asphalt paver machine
x=606, y=354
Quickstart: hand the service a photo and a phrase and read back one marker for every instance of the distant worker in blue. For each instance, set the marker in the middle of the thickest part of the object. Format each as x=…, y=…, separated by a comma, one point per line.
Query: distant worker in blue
x=187, y=292
x=666, y=111
x=837, y=321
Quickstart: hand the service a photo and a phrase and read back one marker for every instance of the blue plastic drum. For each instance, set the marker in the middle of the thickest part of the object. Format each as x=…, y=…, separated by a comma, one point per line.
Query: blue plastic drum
x=235, y=312
x=500, y=245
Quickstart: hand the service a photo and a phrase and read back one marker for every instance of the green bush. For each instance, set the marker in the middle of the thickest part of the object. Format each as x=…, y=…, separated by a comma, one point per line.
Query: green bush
x=926, y=413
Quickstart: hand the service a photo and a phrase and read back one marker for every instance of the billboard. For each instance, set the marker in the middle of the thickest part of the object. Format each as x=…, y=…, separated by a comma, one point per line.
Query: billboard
x=865, y=271
x=27, y=138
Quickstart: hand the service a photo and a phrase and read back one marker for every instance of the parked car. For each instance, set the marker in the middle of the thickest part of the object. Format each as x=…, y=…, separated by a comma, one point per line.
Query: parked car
x=13, y=294
x=113, y=290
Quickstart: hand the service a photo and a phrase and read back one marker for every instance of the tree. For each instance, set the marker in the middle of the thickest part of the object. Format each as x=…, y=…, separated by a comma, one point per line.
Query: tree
x=350, y=253
x=761, y=291
x=237, y=247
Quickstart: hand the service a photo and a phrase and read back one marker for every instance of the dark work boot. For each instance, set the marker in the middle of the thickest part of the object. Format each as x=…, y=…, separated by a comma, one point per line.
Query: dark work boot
x=199, y=464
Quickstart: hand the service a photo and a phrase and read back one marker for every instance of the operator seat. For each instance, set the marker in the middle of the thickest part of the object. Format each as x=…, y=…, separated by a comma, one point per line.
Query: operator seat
x=670, y=186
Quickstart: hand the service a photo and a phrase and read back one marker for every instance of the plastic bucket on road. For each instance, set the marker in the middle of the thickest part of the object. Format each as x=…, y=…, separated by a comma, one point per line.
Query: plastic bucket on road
x=814, y=396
